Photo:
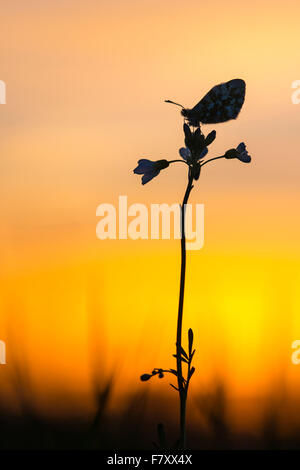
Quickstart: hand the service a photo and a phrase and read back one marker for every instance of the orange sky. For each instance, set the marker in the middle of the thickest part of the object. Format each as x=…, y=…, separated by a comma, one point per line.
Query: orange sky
x=85, y=88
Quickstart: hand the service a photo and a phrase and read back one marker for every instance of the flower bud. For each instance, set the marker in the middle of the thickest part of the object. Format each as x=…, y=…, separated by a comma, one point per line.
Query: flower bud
x=196, y=171
x=210, y=138
x=231, y=153
x=188, y=136
x=161, y=164
x=145, y=377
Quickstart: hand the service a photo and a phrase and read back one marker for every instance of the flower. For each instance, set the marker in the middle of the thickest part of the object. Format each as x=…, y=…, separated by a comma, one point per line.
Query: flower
x=239, y=152
x=243, y=155
x=196, y=144
x=149, y=169
x=186, y=154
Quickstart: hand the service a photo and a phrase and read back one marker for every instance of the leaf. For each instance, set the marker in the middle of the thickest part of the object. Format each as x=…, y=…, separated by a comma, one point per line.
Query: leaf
x=191, y=339
x=182, y=358
x=177, y=389
x=192, y=355
x=183, y=352
x=191, y=372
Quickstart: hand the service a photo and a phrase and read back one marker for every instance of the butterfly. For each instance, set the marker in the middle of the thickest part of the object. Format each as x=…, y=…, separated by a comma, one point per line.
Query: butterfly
x=222, y=103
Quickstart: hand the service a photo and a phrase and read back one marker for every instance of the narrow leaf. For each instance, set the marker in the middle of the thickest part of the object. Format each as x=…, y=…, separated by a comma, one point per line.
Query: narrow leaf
x=183, y=352
x=191, y=372
x=174, y=387
x=191, y=339
x=182, y=358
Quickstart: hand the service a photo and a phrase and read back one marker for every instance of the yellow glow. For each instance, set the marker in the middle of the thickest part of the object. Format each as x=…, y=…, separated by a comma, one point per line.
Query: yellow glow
x=85, y=91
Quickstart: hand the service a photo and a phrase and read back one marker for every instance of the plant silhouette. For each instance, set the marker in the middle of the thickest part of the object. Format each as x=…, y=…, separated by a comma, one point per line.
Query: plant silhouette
x=222, y=103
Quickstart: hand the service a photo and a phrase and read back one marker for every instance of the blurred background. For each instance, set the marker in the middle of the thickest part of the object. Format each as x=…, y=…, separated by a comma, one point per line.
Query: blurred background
x=83, y=318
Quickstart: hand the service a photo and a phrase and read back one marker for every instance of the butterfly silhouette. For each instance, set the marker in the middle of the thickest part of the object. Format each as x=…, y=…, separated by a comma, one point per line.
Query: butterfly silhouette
x=222, y=103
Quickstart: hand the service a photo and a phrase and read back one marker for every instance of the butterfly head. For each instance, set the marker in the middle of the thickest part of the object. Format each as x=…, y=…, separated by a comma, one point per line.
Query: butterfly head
x=190, y=117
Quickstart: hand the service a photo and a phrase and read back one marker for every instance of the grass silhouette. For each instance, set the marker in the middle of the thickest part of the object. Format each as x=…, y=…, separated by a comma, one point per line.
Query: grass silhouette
x=133, y=427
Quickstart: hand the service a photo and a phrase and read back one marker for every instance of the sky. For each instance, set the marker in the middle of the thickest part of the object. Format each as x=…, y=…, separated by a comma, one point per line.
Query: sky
x=86, y=83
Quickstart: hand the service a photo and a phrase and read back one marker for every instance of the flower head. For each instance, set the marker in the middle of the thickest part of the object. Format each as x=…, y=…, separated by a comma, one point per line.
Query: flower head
x=196, y=144
x=243, y=155
x=186, y=154
x=239, y=152
x=149, y=169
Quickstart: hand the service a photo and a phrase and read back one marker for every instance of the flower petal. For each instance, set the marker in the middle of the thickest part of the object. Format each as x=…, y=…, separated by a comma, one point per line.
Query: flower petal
x=210, y=137
x=185, y=153
x=243, y=155
x=149, y=176
x=203, y=153
x=143, y=166
x=188, y=135
x=241, y=147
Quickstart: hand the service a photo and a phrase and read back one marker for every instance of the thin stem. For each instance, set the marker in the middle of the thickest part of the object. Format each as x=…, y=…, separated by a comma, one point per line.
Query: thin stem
x=211, y=159
x=166, y=371
x=182, y=161
x=182, y=391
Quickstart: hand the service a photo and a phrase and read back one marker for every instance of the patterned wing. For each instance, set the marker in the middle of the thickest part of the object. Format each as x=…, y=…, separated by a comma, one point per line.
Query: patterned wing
x=222, y=103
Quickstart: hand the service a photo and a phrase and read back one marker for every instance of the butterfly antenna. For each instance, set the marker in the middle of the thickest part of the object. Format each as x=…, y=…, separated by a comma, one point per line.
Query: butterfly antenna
x=173, y=102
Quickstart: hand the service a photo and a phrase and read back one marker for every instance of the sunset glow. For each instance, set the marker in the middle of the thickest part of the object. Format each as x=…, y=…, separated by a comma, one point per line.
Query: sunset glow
x=86, y=83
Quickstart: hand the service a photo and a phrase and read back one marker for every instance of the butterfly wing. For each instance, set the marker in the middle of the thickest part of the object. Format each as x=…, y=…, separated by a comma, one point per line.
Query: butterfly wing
x=222, y=103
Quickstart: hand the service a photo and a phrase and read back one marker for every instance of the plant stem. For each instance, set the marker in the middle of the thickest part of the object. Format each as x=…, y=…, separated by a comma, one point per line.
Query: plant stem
x=211, y=159
x=182, y=391
x=180, y=161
